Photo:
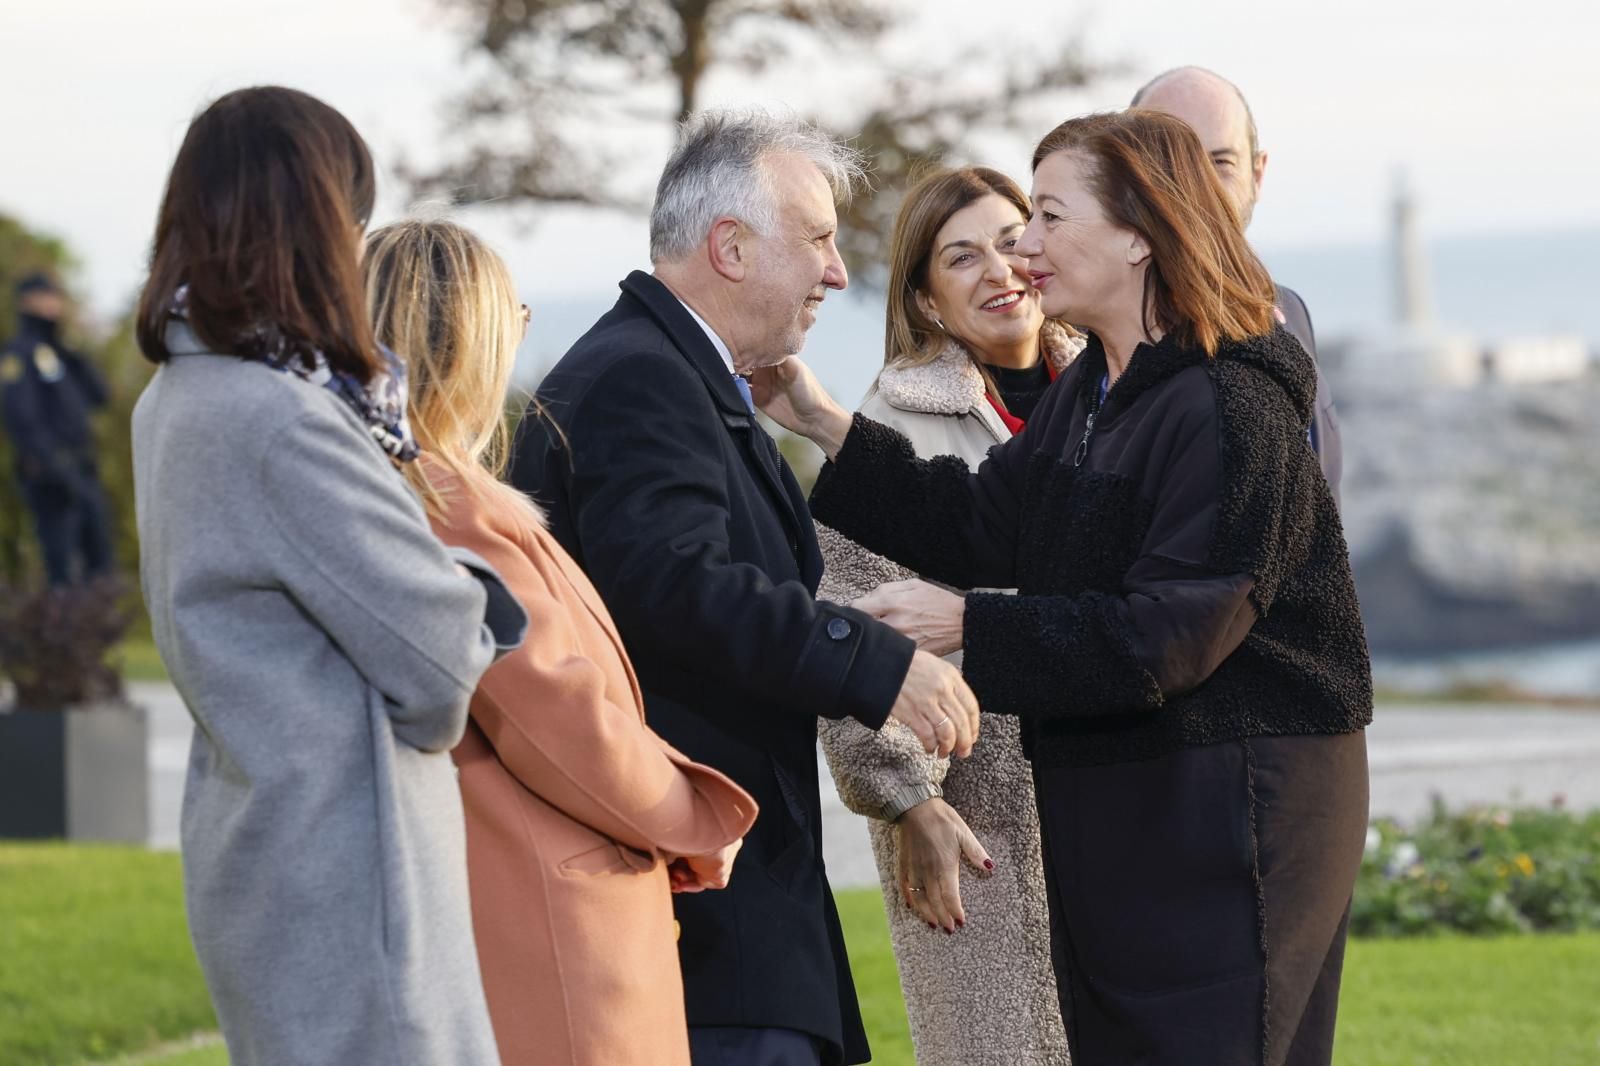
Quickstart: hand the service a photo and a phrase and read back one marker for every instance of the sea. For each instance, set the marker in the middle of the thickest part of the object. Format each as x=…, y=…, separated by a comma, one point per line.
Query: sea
x=1567, y=671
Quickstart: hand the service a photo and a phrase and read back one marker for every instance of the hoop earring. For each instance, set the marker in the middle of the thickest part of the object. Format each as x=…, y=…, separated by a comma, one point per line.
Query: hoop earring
x=940, y=323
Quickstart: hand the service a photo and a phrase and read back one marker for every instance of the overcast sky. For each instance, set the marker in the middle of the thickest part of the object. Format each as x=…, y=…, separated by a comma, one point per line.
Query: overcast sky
x=1492, y=108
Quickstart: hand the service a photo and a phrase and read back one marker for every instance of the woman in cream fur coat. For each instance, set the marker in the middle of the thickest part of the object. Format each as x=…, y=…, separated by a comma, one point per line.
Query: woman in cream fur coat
x=968, y=355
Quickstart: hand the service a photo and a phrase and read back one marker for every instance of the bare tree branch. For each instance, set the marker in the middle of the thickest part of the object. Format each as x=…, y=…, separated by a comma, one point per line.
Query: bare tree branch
x=570, y=82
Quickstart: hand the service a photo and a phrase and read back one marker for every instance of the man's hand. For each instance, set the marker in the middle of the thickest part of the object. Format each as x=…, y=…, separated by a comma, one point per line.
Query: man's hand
x=696, y=873
x=936, y=704
x=926, y=613
x=933, y=841
x=791, y=396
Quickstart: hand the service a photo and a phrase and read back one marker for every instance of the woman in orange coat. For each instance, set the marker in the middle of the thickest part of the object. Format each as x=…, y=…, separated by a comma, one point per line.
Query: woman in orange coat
x=580, y=820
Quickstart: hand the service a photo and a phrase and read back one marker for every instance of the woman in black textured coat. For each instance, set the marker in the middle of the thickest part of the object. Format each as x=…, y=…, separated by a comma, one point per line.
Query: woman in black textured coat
x=1186, y=651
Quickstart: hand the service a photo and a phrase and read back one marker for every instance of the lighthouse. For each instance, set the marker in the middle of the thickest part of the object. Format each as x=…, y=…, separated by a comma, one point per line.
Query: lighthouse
x=1413, y=305
x=1415, y=352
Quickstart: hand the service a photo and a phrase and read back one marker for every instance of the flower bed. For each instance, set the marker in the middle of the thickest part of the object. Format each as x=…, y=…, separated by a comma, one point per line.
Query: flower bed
x=1487, y=870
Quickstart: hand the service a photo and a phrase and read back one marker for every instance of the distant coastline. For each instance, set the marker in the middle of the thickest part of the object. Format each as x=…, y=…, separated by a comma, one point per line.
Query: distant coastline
x=1491, y=285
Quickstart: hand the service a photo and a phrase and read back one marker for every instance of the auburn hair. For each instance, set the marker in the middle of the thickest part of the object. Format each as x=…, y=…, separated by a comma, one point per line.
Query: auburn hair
x=1204, y=285
x=262, y=220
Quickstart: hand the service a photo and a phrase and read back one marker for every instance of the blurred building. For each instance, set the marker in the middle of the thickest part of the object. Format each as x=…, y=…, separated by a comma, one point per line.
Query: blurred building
x=1472, y=502
x=1537, y=360
x=1415, y=351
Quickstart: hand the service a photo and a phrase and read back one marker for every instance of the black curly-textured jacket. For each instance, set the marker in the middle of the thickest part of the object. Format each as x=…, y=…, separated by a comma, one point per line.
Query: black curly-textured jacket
x=1189, y=583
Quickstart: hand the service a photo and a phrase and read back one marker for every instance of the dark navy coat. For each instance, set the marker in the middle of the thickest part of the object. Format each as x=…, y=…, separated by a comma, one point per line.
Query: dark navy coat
x=1325, y=423
x=661, y=483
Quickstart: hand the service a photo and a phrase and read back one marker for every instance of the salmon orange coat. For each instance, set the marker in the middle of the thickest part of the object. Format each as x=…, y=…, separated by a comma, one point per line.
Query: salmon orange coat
x=573, y=809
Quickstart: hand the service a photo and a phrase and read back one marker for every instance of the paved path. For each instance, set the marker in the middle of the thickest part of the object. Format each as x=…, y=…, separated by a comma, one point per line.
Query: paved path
x=170, y=730
x=1468, y=754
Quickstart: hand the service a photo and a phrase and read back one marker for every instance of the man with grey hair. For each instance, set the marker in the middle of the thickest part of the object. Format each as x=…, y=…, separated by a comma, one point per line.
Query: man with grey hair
x=1219, y=114
x=645, y=449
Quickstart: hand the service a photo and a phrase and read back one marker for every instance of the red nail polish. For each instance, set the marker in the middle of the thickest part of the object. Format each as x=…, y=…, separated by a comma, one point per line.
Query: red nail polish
x=932, y=926
x=988, y=864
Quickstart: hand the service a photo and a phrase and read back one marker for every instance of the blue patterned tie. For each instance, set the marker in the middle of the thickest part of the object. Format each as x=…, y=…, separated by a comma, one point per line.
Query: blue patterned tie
x=744, y=391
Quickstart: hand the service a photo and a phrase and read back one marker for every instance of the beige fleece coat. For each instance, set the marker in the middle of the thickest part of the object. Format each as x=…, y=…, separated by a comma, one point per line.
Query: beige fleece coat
x=986, y=995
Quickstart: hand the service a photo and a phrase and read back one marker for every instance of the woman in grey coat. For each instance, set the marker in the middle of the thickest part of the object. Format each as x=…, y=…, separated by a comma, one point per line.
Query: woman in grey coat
x=325, y=643
x=957, y=844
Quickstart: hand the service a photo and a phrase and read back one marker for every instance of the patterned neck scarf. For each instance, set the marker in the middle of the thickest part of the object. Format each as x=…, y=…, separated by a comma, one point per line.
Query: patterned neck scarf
x=379, y=403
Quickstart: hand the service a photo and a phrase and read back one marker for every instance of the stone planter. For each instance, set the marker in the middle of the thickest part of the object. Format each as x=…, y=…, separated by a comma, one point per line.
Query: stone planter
x=81, y=774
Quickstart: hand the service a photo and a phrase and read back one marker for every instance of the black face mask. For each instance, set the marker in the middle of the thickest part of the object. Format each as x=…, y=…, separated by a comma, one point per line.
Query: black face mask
x=37, y=326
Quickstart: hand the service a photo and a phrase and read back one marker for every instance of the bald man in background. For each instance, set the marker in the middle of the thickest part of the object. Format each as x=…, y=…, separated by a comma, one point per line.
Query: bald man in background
x=1218, y=113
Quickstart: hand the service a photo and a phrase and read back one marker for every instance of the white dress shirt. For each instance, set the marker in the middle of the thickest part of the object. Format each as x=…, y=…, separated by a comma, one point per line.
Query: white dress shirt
x=716, y=341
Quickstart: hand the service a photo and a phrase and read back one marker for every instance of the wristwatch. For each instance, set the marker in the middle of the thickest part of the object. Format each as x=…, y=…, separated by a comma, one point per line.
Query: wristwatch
x=906, y=797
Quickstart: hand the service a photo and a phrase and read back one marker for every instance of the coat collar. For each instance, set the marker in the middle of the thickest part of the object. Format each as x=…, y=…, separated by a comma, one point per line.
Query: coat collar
x=951, y=383
x=1148, y=366
x=1276, y=355
x=674, y=318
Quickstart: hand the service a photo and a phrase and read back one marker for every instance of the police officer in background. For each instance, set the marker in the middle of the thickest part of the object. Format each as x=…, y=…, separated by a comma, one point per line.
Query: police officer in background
x=46, y=394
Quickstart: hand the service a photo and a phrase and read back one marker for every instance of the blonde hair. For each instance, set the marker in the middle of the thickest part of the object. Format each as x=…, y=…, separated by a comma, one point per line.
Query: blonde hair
x=445, y=302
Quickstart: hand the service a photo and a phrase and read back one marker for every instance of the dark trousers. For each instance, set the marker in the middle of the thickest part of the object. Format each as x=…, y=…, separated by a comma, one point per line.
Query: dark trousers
x=1199, y=901
x=73, y=528
x=715, y=1045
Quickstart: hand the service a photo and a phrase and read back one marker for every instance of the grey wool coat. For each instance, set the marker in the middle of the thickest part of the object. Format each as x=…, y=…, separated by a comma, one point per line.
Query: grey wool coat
x=326, y=646
x=988, y=993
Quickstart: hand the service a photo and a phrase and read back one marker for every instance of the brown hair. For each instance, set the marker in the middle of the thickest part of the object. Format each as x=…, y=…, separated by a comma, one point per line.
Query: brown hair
x=910, y=337
x=1204, y=285
x=261, y=216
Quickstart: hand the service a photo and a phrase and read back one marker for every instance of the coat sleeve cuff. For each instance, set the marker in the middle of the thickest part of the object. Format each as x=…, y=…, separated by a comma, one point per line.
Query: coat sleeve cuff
x=870, y=767
x=880, y=668
x=1052, y=657
x=503, y=616
x=906, y=797
x=853, y=665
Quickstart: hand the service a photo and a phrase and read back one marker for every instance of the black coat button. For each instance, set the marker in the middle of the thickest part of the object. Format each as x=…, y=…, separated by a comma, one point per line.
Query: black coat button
x=838, y=628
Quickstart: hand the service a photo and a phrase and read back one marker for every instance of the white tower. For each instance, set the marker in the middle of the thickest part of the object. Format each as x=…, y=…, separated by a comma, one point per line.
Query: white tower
x=1413, y=307
x=1416, y=353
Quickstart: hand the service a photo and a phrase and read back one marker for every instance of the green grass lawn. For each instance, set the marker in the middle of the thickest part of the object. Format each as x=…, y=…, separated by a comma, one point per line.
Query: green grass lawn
x=1460, y=1001
x=94, y=954
x=140, y=660
x=95, y=966
x=866, y=934
x=1446, y=1001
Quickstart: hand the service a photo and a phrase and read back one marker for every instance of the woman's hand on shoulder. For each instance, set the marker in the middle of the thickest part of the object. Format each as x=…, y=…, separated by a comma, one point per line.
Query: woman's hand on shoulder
x=790, y=394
